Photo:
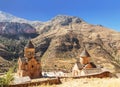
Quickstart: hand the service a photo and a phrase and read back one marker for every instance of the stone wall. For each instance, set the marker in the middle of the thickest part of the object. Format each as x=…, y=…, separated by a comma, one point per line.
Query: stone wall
x=49, y=81
x=91, y=71
x=100, y=75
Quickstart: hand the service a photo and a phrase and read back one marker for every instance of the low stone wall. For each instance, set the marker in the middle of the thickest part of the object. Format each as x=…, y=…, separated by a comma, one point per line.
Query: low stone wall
x=100, y=75
x=31, y=84
x=57, y=80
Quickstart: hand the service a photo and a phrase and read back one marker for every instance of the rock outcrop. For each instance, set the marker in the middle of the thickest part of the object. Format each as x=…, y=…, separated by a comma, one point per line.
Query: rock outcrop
x=16, y=29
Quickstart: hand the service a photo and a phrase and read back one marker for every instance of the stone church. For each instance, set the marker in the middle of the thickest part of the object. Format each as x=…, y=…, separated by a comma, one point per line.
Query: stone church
x=30, y=64
x=84, y=64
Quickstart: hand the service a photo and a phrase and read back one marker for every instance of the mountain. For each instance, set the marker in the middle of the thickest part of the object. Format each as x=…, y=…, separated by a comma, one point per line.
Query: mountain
x=60, y=20
x=6, y=17
x=60, y=41
x=64, y=37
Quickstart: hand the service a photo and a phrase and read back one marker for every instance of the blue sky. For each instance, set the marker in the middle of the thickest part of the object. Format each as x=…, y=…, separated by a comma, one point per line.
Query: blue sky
x=104, y=12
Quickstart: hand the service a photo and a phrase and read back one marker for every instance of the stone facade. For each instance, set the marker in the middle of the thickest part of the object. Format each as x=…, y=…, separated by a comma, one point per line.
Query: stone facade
x=83, y=63
x=29, y=65
x=91, y=71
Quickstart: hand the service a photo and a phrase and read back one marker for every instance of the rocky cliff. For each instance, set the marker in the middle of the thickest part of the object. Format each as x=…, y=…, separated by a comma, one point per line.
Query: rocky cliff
x=16, y=29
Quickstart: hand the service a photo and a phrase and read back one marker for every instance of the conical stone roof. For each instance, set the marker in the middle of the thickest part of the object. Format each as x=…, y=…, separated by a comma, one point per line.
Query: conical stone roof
x=84, y=53
x=29, y=45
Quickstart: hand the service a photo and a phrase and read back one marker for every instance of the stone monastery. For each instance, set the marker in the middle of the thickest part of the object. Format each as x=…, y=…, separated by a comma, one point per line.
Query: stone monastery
x=29, y=65
x=84, y=66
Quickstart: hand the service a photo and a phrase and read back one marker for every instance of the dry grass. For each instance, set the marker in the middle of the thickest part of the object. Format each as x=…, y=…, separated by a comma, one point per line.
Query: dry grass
x=61, y=64
x=88, y=82
x=45, y=86
x=92, y=82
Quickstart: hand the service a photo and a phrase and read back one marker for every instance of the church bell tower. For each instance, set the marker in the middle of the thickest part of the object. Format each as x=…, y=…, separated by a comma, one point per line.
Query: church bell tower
x=29, y=50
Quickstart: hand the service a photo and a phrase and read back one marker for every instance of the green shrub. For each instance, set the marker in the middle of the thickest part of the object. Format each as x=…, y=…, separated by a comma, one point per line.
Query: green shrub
x=7, y=79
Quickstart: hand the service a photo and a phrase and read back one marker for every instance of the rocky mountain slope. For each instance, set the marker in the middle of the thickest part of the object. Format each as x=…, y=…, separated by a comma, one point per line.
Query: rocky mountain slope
x=64, y=37
x=18, y=29
x=61, y=40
